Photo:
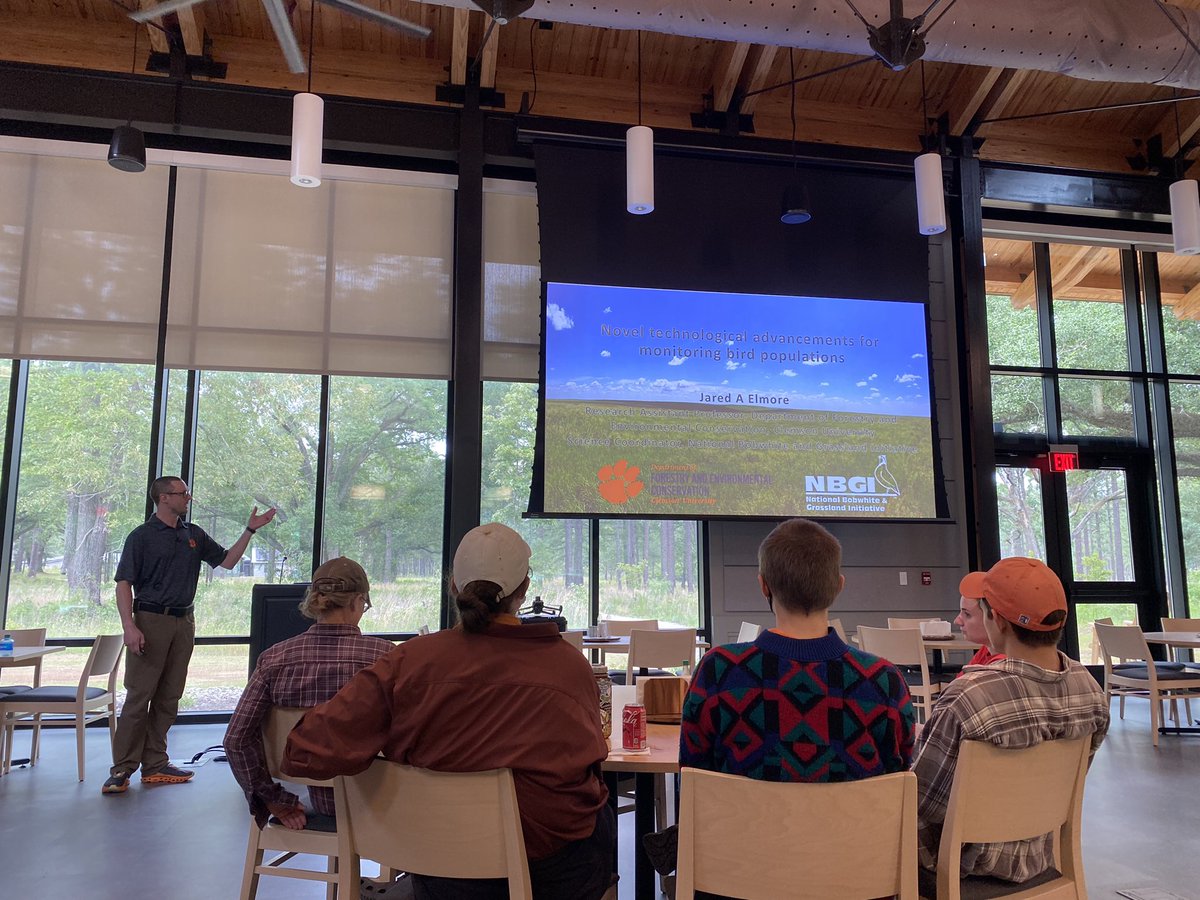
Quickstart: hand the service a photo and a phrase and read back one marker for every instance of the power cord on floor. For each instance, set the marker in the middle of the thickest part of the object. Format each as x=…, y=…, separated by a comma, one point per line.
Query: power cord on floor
x=198, y=759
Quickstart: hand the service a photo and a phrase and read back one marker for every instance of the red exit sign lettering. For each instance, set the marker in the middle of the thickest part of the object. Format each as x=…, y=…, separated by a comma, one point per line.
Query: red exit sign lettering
x=1063, y=458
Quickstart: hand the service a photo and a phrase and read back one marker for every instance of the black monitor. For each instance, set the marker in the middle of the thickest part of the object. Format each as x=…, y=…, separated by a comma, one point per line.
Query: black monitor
x=275, y=616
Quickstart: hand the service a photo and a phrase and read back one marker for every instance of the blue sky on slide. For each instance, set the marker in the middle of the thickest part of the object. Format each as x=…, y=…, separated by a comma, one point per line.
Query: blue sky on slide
x=649, y=345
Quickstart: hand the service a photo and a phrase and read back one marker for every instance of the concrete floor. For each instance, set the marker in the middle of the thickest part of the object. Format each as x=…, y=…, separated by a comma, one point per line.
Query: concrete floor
x=62, y=838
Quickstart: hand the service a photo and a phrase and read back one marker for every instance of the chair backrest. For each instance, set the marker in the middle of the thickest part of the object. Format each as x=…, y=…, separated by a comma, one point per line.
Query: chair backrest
x=908, y=623
x=836, y=625
x=104, y=660
x=1123, y=642
x=276, y=727
x=748, y=632
x=574, y=638
x=1095, y=658
x=866, y=845
x=1008, y=795
x=1178, y=624
x=468, y=824
x=899, y=646
x=623, y=627
x=667, y=649
x=36, y=637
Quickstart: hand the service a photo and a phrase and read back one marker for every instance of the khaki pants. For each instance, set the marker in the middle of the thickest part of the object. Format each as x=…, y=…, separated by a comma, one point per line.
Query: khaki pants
x=154, y=682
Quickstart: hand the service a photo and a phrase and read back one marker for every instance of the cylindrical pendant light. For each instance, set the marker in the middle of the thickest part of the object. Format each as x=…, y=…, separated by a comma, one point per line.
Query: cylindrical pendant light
x=931, y=201
x=308, y=129
x=639, y=170
x=1185, y=217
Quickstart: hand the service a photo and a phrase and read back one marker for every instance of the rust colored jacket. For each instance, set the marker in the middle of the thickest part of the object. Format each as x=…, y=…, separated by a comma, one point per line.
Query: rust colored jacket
x=516, y=697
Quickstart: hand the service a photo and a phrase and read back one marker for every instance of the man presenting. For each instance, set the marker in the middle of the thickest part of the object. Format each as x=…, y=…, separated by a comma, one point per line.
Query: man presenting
x=156, y=584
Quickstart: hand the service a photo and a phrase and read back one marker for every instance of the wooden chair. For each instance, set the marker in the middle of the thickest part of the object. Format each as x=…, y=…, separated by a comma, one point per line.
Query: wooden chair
x=1097, y=659
x=624, y=627
x=1134, y=668
x=24, y=637
x=1009, y=795
x=902, y=647
x=574, y=638
x=468, y=827
x=748, y=632
x=82, y=702
x=865, y=845
x=836, y=625
x=665, y=649
x=276, y=837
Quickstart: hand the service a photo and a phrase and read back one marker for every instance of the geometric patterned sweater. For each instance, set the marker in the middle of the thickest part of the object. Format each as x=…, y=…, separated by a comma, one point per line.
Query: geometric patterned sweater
x=784, y=709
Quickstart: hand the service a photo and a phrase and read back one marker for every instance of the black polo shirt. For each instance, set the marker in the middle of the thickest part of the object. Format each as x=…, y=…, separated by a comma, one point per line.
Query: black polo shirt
x=163, y=563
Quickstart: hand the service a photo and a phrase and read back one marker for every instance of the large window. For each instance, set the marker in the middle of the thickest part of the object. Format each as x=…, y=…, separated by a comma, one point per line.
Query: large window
x=561, y=547
x=384, y=493
x=648, y=570
x=81, y=491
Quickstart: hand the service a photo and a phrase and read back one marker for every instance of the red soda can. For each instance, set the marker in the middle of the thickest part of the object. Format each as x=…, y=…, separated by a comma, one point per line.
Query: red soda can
x=633, y=727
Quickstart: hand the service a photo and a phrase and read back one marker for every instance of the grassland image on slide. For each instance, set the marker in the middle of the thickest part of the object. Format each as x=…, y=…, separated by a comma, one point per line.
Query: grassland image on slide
x=676, y=459
x=692, y=403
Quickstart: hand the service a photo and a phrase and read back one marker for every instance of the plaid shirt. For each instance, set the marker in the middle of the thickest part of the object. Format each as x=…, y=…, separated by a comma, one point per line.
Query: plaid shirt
x=300, y=672
x=1013, y=704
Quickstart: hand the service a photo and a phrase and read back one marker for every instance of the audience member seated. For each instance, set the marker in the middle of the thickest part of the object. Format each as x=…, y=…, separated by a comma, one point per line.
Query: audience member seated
x=797, y=703
x=970, y=619
x=490, y=693
x=300, y=672
x=1035, y=694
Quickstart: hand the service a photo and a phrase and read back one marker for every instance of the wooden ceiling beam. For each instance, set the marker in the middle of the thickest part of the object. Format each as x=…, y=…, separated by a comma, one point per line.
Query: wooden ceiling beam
x=1189, y=126
x=1188, y=307
x=1004, y=88
x=191, y=27
x=755, y=72
x=158, y=38
x=727, y=73
x=458, y=46
x=1066, y=273
x=968, y=96
x=488, y=53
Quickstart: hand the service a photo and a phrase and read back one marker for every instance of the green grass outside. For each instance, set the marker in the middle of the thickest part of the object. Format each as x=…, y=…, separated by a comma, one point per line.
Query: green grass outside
x=574, y=488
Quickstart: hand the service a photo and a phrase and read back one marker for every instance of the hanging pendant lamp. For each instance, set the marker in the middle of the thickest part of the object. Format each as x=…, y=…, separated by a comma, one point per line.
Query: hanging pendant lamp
x=1185, y=217
x=308, y=129
x=931, y=201
x=639, y=157
x=639, y=170
x=127, y=149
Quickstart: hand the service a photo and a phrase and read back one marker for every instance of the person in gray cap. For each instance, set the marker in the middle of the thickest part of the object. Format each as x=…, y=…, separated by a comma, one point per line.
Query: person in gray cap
x=490, y=693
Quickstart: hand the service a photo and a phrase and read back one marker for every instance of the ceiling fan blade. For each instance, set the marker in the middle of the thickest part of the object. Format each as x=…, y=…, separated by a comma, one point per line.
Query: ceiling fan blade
x=366, y=12
x=157, y=12
x=285, y=35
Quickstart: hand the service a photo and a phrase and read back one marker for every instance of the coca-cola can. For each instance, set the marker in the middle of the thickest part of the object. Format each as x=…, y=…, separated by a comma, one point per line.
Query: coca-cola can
x=633, y=727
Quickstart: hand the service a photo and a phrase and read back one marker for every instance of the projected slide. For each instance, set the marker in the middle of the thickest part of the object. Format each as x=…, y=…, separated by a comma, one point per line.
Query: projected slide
x=689, y=404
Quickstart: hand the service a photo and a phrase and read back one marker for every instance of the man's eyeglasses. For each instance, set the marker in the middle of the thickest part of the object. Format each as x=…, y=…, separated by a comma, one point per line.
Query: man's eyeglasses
x=176, y=494
x=366, y=602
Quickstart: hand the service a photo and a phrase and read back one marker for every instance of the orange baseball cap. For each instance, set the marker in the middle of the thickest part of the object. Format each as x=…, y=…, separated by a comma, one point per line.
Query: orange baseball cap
x=1022, y=590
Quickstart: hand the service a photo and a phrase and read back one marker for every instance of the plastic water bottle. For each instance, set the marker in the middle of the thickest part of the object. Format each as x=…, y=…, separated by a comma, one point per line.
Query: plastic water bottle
x=6, y=645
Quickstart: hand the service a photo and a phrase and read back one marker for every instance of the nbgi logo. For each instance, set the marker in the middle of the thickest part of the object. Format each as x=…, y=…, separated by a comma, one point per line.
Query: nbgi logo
x=881, y=483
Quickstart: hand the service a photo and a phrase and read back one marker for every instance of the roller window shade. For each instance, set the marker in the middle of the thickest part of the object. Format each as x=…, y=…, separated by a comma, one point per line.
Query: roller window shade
x=81, y=256
x=351, y=278
x=511, y=284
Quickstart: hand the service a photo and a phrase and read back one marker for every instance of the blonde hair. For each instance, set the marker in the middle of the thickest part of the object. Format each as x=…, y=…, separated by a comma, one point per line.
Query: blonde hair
x=316, y=603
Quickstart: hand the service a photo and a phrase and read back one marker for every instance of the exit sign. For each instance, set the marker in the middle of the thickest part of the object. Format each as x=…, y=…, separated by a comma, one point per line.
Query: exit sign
x=1063, y=457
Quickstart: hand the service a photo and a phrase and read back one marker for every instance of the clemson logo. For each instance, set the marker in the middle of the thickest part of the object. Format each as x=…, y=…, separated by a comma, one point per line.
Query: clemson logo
x=619, y=482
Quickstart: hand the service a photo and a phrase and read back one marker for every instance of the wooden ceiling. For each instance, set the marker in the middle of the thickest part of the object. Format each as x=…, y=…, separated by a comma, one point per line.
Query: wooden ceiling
x=591, y=73
x=1080, y=272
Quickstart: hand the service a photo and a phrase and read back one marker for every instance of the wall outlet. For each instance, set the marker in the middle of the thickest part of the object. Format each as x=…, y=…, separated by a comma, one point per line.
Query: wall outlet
x=903, y=579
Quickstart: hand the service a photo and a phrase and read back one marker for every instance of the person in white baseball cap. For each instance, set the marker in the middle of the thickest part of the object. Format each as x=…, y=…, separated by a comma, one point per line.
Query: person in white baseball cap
x=490, y=576
x=490, y=693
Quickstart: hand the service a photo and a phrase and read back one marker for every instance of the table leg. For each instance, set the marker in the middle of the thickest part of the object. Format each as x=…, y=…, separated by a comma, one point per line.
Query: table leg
x=643, y=824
